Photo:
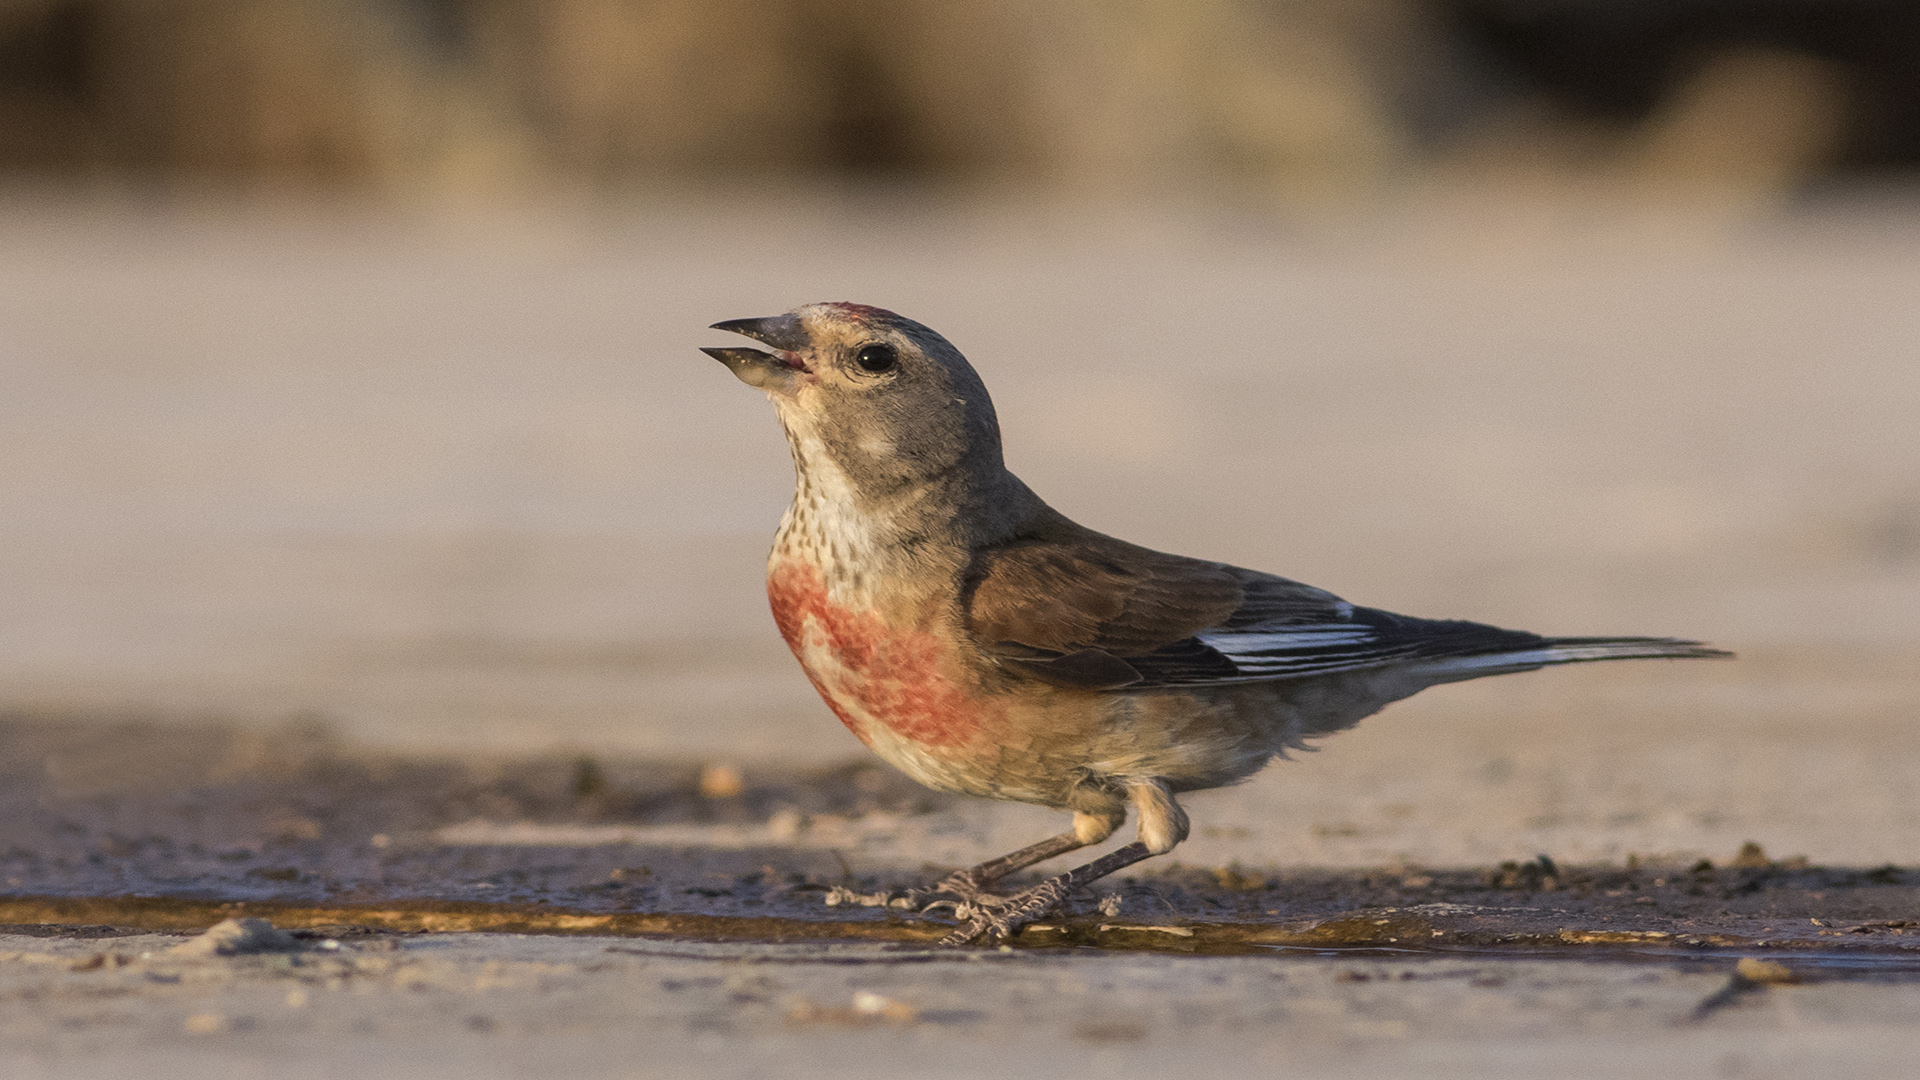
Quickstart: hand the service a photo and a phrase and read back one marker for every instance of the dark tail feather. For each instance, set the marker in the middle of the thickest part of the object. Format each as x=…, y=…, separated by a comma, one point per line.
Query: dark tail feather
x=1569, y=650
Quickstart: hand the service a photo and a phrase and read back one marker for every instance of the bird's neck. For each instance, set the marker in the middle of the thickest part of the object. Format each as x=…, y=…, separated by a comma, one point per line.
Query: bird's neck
x=862, y=541
x=828, y=530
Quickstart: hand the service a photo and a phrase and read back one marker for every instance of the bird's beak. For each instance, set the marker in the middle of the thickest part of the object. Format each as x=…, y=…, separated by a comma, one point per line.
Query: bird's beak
x=779, y=331
x=756, y=367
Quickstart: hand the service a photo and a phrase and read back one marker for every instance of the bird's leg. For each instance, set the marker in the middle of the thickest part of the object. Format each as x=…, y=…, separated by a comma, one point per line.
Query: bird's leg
x=1162, y=825
x=969, y=884
x=968, y=887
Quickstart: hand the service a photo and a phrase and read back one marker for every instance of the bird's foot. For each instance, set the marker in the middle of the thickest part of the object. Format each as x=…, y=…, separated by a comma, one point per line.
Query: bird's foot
x=1008, y=916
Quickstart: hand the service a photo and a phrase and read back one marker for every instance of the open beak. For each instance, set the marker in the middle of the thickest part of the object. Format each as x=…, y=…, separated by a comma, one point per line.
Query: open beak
x=756, y=367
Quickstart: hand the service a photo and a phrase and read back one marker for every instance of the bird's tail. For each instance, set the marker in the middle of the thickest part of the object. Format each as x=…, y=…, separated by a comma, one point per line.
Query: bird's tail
x=1567, y=650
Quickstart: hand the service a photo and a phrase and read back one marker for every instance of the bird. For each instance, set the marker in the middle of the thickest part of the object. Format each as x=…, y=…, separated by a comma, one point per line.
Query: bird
x=981, y=642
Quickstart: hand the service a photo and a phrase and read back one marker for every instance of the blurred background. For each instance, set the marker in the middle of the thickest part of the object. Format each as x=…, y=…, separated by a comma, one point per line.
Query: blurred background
x=1299, y=101
x=348, y=383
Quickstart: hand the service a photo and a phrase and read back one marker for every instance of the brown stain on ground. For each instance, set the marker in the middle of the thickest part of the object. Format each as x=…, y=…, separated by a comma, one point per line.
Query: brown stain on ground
x=1389, y=929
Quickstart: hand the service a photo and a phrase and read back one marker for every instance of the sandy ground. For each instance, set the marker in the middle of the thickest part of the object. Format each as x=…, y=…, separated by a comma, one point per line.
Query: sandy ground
x=377, y=525
x=499, y=1005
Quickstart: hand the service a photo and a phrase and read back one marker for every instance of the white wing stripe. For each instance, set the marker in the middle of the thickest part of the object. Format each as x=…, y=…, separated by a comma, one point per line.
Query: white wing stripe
x=1252, y=643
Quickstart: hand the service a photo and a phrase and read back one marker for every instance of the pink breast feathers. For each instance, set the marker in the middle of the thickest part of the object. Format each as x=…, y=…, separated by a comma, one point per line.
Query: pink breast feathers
x=867, y=671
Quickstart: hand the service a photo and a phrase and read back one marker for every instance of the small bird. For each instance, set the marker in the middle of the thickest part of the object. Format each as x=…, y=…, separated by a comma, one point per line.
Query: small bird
x=982, y=643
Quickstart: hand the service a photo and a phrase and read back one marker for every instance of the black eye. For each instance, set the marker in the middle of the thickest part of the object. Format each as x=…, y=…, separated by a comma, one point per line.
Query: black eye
x=876, y=357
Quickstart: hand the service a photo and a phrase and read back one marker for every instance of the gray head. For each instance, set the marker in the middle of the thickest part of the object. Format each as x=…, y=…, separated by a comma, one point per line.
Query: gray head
x=887, y=401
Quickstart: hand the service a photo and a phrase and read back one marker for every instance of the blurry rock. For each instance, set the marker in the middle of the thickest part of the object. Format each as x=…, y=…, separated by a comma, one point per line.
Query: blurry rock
x=1751, y=857
x=621, y=89
x=1750, y=124
x=880, y=1007
x=1298, y=98
x=721, y=780
x=292, y=828
x=238, y=937
x=1763, y=971
x=1540, y=873
x=270, y=90
x=1103, y=1031
x=785, y=824
x=1239, y=879
x=1749, y=975
x=589, y=779
x=867, y=1008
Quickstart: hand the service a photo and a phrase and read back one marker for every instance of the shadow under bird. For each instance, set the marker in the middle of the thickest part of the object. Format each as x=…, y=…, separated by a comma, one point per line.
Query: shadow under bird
x=982, y=643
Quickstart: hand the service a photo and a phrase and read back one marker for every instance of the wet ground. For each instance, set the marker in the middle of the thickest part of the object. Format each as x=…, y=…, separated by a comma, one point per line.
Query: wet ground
x=483, y=916
x=395, y=578
x=608, y=915
x=189, y=825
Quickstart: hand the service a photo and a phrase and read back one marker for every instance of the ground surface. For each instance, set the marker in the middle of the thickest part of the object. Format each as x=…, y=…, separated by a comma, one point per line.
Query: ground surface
x=395, y=577
x=500, y=1005
x=683, y=930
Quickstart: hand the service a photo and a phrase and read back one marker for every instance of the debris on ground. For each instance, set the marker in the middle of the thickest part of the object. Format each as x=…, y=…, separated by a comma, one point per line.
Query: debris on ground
x=239, y=937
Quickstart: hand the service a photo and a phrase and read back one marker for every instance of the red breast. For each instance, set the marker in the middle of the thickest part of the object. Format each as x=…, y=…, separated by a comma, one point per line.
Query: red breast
x=868, y=671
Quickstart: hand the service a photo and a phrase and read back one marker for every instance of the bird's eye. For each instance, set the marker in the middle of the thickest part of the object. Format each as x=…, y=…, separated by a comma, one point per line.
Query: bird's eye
x=876, y=357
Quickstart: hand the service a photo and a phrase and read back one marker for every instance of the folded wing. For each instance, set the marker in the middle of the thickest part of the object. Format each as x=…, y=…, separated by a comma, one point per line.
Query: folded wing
x=1077, y=608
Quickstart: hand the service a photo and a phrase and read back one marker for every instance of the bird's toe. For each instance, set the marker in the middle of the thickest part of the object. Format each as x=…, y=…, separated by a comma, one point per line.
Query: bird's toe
x=1009, y=915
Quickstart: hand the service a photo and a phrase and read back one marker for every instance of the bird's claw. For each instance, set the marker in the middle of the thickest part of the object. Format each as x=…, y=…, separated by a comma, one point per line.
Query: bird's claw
x=1009, y=917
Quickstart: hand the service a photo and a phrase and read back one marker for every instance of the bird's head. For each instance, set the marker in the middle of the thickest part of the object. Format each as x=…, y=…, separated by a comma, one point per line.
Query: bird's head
x=889, y=401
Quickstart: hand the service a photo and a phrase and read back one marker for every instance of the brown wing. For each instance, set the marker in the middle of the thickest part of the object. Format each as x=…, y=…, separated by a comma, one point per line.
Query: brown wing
x=1078, y=608
x=1073, y=607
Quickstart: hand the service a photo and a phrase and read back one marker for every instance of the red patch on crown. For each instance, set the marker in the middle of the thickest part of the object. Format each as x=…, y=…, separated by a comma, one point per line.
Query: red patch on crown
x=861, y=312
x=895, y=677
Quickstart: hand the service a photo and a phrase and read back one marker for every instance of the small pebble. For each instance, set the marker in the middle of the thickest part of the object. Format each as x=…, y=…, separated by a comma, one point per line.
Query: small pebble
x=721, y=780
x=206, y=1024
x=238, y=937
x=868, y=1003
x=1763, y=971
